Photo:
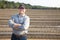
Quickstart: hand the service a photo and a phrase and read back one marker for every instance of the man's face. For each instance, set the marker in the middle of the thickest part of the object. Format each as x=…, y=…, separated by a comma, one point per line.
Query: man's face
x=22, y=11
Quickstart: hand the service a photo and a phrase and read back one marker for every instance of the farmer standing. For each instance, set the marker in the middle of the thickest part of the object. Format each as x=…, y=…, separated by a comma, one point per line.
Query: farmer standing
x=19, y=23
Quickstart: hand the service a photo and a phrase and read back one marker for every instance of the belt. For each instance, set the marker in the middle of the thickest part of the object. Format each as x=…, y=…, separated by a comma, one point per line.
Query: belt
x=20, y=35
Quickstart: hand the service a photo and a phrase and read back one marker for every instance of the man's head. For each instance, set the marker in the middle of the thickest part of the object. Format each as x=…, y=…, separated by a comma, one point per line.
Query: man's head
x=22, y=9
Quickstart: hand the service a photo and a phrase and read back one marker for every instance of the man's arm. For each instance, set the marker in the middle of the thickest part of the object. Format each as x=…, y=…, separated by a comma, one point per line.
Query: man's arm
x=26, y=24
x=12, y=24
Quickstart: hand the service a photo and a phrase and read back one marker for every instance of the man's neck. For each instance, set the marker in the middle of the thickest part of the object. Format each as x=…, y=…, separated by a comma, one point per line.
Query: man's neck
x=21, y=14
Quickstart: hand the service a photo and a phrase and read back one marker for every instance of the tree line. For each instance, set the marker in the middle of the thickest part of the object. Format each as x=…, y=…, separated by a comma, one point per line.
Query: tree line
x=6, y=4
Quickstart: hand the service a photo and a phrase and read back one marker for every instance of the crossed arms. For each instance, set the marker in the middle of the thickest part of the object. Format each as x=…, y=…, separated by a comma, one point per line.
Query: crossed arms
x=23, y=26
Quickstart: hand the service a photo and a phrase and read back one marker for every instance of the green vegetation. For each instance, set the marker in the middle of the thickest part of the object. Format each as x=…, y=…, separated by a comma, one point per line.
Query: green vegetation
x=6, y=4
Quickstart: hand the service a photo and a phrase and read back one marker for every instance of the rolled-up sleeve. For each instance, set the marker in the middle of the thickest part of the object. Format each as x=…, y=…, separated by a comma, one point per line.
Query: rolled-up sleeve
x=11, y=22
x=26, y=24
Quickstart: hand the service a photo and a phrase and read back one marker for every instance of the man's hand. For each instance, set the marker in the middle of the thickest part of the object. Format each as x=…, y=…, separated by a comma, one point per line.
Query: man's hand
x=16, y=25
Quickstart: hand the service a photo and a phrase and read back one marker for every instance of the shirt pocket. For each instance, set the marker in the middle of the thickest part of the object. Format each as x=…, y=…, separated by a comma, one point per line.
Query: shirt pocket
x=21, y=20
x=16, y=20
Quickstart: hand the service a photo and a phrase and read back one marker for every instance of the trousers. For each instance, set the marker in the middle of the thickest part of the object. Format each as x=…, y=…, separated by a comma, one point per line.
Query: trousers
x=14, y=37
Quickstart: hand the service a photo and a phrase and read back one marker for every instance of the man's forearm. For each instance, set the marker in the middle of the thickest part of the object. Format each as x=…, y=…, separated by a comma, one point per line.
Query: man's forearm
x=17, y=25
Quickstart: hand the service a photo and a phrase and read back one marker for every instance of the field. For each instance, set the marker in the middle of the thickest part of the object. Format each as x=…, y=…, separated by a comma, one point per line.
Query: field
x=44, y=24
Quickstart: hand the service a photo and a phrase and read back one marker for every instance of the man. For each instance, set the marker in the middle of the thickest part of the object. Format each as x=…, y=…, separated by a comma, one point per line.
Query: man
x=19, y=23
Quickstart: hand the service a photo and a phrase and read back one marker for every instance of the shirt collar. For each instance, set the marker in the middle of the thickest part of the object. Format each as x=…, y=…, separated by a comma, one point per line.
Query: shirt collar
x=21, y=15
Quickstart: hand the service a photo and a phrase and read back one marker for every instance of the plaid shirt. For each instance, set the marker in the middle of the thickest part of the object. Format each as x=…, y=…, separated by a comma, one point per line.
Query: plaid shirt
x=24, y=20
